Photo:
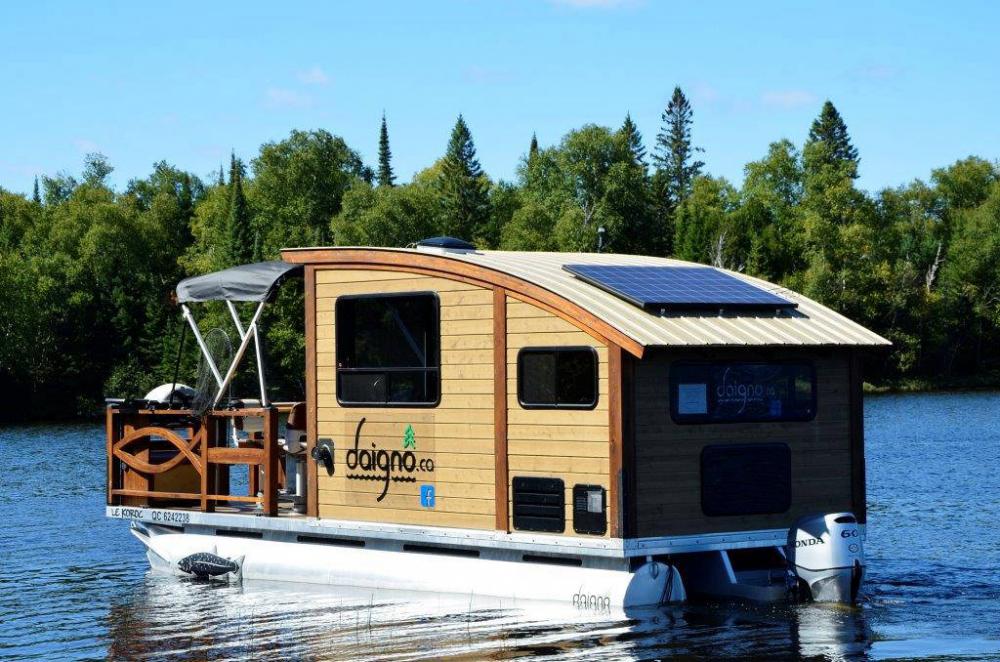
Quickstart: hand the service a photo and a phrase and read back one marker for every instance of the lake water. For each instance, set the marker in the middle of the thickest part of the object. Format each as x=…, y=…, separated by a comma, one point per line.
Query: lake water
x=74, y=585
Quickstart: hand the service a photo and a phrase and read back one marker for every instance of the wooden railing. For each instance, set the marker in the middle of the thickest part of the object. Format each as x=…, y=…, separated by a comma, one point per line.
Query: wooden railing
x=201, y=454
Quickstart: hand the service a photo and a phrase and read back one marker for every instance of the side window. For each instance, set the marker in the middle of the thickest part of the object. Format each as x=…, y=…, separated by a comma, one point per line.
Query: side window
x=557, y=377
x=742, y=392
x=388, y=349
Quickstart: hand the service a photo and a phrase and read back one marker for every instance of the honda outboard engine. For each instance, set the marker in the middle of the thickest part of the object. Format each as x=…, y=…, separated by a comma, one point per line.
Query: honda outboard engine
x=826, y=553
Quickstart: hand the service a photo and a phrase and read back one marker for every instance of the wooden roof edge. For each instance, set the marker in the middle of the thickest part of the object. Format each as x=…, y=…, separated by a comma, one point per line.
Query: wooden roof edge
x=438, y=264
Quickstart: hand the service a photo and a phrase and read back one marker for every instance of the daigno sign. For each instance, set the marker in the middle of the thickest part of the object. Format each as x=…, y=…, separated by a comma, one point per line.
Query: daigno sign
x=386, y=465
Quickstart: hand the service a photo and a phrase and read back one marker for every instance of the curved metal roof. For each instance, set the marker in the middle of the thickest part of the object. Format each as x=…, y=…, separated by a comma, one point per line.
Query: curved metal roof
x=810, y=324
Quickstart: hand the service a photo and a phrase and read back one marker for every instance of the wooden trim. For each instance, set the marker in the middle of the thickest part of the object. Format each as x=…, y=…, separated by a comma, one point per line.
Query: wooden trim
x=312, y=476
x=157, y=495
x=627, y=498
x=111, y=436
x=224, y=455
x=857, y=435
x=207, y=439
x=500, y=405
x=616, y=483
x=441, y=266
x=271, y=462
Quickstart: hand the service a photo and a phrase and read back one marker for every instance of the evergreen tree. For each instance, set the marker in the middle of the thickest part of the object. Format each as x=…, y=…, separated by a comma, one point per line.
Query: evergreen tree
x=674, y=153
x=35, y=195
x=385, y=174
x=464, y=188
x=830, y=129
x=533, y=148
x=238, y=225
x=630, y=132
x=222, y=177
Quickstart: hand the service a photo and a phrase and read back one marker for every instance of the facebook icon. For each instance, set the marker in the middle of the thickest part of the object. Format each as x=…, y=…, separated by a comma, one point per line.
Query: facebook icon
x=427, y=496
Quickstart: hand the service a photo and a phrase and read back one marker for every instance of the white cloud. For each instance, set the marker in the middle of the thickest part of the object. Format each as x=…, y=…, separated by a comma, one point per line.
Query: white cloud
x=788, y=98
x=278, y=97
x=703, y=93
x=85, y=145
x=313, y=76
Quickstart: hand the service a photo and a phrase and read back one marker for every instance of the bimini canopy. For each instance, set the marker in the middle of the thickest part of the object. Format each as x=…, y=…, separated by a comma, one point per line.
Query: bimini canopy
x=247, y=282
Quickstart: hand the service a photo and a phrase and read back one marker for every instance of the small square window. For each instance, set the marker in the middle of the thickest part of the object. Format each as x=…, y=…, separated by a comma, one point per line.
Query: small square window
x=557, y=377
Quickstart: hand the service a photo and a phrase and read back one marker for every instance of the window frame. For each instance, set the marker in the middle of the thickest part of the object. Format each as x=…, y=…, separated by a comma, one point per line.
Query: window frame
x=557, y=350
x=436, y=369
x=690, y=420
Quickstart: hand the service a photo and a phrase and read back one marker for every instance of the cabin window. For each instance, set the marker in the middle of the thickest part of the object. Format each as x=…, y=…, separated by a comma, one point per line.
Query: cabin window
x=388, y=349
x=746, y=479
x=557, y=377
x=729, y=392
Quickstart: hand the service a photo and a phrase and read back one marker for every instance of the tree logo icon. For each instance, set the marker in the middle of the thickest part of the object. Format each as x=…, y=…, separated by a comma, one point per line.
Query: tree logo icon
x=409, y=438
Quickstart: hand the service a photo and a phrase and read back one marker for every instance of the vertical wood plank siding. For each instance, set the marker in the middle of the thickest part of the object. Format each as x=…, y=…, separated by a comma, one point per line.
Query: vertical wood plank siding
x=668, y=455
x=858, y=488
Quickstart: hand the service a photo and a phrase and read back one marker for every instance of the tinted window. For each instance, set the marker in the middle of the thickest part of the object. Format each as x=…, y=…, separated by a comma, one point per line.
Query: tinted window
x=387, y=349
x=557, y=377
x=737, y=392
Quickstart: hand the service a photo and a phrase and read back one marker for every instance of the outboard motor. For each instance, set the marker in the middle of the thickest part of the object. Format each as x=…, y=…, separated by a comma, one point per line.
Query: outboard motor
x=827, y=554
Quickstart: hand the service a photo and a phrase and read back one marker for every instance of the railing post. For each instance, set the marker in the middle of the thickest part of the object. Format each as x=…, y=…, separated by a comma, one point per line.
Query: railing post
x=111, y=425
x=207, y=439
x=270, y=461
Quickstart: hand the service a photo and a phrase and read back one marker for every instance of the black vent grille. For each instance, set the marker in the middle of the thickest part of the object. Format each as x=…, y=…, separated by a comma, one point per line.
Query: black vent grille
x=539, y=504
x=746, y=479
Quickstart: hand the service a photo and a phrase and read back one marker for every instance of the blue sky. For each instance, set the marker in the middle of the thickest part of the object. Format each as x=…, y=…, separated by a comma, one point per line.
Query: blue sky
x=918, y=83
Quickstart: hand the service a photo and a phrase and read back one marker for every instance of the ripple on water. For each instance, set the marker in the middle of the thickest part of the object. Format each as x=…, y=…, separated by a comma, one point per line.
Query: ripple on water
x=77, y=586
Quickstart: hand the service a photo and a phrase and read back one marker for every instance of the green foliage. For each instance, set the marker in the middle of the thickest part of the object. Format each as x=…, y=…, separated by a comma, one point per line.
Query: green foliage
x=243, y=244
x=298, y=186
x=385, y=174
x=87, y=273
x=463, y=187
x=830, y=130
x=674, y=155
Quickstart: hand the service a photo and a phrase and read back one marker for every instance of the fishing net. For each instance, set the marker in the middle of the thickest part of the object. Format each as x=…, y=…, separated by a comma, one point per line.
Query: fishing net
x=221, y=351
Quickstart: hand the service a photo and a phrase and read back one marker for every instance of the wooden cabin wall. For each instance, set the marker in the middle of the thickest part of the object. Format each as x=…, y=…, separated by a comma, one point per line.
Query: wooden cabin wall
x=457, y=434
x=572, y=445
x=668, y=456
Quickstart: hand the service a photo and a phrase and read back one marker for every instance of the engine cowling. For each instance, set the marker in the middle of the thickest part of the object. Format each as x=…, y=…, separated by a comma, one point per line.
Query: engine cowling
x=827, y=553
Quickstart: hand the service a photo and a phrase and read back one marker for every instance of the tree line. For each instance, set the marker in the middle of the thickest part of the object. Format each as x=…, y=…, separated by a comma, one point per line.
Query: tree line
x=87, y=272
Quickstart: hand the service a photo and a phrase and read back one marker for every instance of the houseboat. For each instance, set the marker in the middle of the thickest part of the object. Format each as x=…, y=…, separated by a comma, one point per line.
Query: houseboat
x=597, y=429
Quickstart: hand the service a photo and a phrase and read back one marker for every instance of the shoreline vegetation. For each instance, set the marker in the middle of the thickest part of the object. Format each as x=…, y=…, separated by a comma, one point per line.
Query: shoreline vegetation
x=87, y=271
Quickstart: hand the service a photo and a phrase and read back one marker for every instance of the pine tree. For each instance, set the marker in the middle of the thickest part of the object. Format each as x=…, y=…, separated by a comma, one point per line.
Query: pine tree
x=830, y=129
x=630, y=132
x=35, y=195
x=240, y=242
x=464, y=189
x=385, y=174
x=222, y=177
x=533, y=148
x=674, y=153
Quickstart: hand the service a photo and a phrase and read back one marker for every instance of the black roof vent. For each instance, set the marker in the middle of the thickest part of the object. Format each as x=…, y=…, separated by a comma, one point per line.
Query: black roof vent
x=446, y=243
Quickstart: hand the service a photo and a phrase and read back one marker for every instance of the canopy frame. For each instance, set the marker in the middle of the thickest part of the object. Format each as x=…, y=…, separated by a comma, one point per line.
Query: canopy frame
x=255, y=283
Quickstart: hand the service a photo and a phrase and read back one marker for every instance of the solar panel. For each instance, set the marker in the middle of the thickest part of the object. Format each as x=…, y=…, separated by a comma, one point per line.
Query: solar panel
x=677, y=288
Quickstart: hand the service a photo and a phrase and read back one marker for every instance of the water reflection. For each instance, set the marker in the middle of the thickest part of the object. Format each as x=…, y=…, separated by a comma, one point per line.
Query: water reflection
x=166, y=615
